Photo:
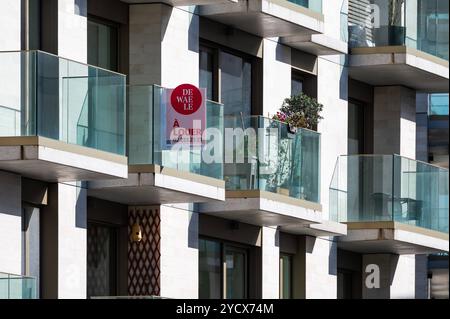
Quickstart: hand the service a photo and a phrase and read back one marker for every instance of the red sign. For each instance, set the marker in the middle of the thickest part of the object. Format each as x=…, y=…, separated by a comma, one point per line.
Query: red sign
x=185, y=115
x=186, y=99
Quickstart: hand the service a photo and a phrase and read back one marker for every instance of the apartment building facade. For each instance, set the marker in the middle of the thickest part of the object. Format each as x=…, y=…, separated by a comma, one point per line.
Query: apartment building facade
x=95, y=203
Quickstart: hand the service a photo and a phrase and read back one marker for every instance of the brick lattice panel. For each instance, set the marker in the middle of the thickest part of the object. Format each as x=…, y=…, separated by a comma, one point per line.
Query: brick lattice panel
x=144, y=256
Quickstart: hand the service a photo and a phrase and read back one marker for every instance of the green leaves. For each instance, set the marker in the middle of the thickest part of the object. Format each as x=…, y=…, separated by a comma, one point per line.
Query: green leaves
x=302, y=111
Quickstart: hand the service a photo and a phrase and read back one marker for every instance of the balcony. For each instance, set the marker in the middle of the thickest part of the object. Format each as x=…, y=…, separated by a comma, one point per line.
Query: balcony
x=159, y=173
x=271, y=176
x=269, y=18
x=390, y=204
x=406, y=44
x=17, y=287
x=177, y=3
x=60, y=120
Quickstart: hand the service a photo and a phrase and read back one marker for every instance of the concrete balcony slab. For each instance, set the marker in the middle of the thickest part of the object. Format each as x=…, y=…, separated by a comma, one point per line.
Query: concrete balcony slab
x=154, y=184
x=263, y=208
x=399, y=65
x=55, y=161
x=392, y=237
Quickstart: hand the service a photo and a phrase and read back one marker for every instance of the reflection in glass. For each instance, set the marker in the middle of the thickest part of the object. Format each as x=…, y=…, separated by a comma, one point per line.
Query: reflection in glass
x=206, y=72
x=209, y=269
x=235, y=260
x=236, y=88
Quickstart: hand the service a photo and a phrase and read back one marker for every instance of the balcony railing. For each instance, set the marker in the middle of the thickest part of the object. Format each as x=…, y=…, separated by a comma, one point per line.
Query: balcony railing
x=17, y=287
x=147, y=124
x=421, y=25
x=370, y=188
x=268, y=157
x=314, y=5
x=45, y=95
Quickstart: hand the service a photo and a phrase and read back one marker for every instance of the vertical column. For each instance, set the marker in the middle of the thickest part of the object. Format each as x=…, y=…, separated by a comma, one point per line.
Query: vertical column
x=277, y=75
x=10, y=223
x=72, y=29
x=64, y=242
x=164, y=44
x=388, y=276
x=179, y=251
x=270, y=263
x=332, y=92
x=315, y=268
x=395, y=121
x=11, y=21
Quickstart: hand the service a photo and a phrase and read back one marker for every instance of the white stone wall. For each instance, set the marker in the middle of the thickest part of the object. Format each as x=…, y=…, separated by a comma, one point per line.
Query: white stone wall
x=321, y=272
x=179, y=251
x=270, y=263
x=10, y=223
x=334, y=12
x=403, y=284
x=72, y=30
x=163, y=45
x=332, y=90
x=72, y=241
x=277, y=75
x=10, y=25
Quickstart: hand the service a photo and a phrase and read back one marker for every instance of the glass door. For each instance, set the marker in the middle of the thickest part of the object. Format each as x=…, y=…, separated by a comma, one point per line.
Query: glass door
x=235, y=273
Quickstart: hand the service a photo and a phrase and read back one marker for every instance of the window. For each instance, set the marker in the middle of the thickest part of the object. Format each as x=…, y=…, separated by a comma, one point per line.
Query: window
x=103, y=44
x=285, y=276
x=210, y=265
x=355, y=128
x=296, y=86
x=222, y=270
x=234, y=79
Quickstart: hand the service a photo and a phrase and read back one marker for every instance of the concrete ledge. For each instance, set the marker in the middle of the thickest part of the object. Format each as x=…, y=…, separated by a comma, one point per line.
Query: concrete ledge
x=266, y=18
x=55, y=161
x=324, y=228
x=154, y=184
x=264, y=209
x=393, y=237
x=317, y=44
x=399, y=65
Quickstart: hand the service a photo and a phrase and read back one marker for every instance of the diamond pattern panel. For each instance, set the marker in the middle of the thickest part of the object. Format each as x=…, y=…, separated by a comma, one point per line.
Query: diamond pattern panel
x=144, y=256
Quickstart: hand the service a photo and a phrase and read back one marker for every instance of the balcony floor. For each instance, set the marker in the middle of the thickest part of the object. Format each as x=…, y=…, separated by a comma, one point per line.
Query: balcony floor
x=392, y=237
x=55, y=161
x=153, y=184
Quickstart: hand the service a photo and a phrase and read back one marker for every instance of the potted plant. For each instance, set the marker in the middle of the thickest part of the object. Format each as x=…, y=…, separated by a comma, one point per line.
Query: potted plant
x=300, y=111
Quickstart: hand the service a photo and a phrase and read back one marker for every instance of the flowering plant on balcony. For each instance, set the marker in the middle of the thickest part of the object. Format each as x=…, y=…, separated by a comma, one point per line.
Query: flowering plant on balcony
x=300, y=111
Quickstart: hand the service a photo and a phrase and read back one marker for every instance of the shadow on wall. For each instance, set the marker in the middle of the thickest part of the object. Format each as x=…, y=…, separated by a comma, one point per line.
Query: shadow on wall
x=193, y=230
x=332, y=258
x=81, y=207
x=80, y=7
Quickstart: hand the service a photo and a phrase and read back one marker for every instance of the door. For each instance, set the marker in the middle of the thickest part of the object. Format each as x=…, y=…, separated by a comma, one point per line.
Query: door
x=101, y=260
x=235, y=273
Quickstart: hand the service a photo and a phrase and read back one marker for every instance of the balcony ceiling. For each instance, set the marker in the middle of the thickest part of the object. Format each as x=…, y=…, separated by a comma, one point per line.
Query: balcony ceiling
x=264, y=209
x=384, y=66
x=54, y=161
x=392, y=237
x=152, y=184
x=176, y=3
x=266, y=19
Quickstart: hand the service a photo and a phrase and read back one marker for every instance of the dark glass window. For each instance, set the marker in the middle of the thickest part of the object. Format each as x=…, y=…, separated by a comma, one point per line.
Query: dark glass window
x=103, y=44
x=285, y=276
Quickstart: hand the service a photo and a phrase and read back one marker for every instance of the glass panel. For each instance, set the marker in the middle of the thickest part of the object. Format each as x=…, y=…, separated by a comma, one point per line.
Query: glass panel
x=147, y=109
x=386, y=187
x=286, y=277
x=236, y=90
x=296, y=86
x=236, y=265
x=17, y=287
x=102, y=45
x=210, y=274
x=264, y=154
x=315, y=5
x=419, y=24
x=438, y=104
x=206, y=72
x=42, y=94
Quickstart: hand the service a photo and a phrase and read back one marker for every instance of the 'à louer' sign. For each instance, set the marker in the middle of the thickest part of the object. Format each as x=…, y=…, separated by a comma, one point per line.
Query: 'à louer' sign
x=185, y=116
